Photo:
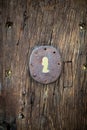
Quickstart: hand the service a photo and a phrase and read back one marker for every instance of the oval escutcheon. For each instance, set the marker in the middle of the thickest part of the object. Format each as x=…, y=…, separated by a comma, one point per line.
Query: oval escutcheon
x=45, y=64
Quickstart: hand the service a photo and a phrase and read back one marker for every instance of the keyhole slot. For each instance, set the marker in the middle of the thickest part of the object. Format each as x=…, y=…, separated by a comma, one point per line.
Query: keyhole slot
x=45, y=64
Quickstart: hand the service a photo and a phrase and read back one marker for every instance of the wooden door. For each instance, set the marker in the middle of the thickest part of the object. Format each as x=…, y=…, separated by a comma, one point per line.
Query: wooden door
x=29, y=105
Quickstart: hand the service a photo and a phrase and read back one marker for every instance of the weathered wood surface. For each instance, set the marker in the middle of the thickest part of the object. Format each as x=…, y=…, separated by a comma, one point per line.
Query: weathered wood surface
x=25, y=24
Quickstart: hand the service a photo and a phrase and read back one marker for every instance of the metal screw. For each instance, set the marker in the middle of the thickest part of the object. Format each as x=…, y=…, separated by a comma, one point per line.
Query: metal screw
x=21, y=116
x=24, y=93
x=8, y=73
x=82, y=26
x=84, y=67
x=9, y=24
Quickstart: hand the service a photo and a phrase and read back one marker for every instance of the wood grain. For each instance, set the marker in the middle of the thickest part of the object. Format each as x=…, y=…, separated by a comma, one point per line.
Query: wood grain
x=26, y=24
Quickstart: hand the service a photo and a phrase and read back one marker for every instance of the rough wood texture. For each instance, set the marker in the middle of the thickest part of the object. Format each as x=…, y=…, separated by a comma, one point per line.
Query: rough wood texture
x=25, y=24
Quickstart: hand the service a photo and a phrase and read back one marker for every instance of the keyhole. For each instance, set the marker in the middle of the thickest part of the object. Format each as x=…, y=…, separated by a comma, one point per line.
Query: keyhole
x=45, y=65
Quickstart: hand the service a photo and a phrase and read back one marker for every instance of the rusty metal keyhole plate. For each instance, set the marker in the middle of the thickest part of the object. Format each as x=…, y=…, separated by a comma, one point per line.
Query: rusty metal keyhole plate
x=45, y=64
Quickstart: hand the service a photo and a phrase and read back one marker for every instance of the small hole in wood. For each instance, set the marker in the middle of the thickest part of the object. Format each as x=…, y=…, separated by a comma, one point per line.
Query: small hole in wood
x=53, y=93
x=54, y=52
x=45, y=49
x=17, y=43
x=58, y=63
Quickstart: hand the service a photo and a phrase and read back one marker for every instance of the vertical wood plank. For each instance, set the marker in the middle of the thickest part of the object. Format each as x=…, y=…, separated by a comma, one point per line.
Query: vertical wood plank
x=29, y=23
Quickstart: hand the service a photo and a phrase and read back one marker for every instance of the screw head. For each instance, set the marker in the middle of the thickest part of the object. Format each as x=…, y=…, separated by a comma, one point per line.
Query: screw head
x=21, y=116
x=8, y=73
x=82, y=26
x=84, y=67
x=9, y=24
x=24, y=93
